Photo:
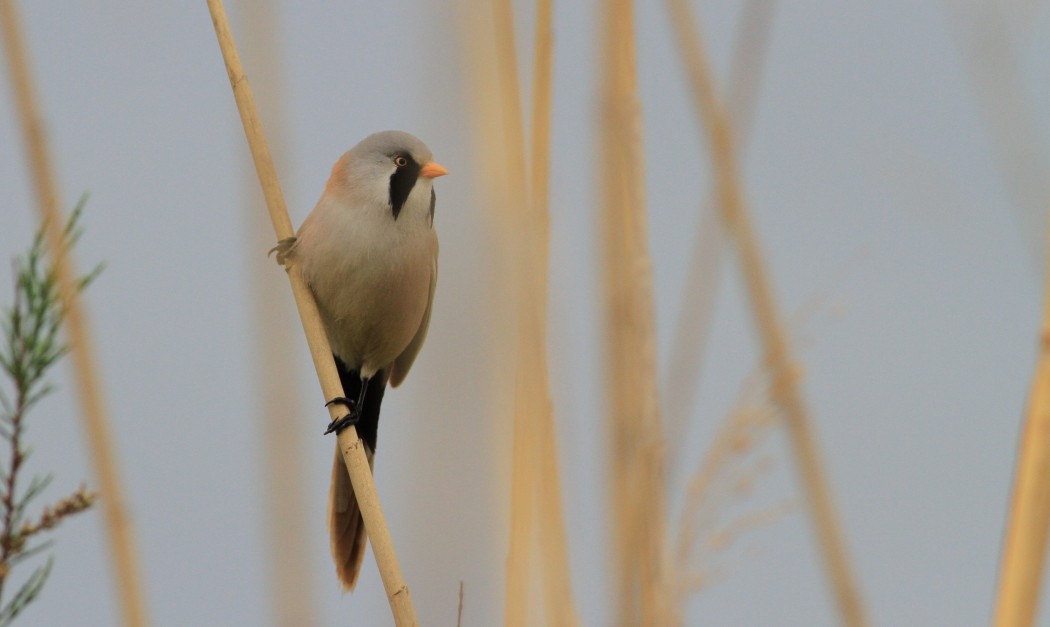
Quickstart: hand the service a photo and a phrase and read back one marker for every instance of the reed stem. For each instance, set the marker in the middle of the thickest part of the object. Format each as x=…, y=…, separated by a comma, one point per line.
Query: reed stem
x=553, y=544
x=785, y=391
x=353, y=452
x=1024, y=552
x=685, y=363
x=526, y=402
x=636, y=457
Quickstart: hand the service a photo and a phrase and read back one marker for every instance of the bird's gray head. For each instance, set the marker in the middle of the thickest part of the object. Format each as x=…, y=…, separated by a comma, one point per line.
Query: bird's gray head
x=392, y=169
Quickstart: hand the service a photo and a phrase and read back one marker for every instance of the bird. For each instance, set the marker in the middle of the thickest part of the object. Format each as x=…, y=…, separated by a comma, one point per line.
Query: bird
x=368, y=252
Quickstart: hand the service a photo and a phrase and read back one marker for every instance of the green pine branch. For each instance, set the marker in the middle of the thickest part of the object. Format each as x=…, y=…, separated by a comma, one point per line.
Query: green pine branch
x=31, y=345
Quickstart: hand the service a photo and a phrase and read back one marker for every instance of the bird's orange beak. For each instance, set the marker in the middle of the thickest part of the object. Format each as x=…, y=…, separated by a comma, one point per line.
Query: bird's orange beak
x=433, y=170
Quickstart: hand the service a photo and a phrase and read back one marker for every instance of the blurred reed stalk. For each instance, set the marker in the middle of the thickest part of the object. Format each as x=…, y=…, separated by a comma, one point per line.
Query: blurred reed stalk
x=353, y=453
x=784, y=372
x=535, y=482
x=636, y=457
x=85, y=366
x=290, y=577
x=1024, y=551
x=982, y=32
x=553, y=544
x=490, y=124
x=692, y=330
x=524, y=442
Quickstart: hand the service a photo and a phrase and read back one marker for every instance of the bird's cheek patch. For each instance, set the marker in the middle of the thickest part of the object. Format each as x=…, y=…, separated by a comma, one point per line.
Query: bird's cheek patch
x=401, y=183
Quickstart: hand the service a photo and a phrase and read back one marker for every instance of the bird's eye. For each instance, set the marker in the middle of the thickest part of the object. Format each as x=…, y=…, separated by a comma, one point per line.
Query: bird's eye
x=400, y=161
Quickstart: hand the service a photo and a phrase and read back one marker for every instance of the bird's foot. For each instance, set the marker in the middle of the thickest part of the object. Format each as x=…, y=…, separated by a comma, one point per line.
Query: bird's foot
x=338, y=425
x=283, y=249
x=342, y=400
x=350, y=419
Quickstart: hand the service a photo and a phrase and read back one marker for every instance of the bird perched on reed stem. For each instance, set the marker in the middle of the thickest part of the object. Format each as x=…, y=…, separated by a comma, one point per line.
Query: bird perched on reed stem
x=369, y=252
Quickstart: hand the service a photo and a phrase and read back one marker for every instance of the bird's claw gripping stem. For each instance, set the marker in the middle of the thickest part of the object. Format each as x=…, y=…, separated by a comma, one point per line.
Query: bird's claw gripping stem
x=342, y=400
x=341, y=423
x=283, y=249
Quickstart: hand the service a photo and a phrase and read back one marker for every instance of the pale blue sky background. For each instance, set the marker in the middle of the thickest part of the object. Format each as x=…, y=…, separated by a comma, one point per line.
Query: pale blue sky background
x=876, y=184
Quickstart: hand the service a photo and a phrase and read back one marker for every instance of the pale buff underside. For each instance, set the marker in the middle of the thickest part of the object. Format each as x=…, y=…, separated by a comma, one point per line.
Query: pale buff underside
x=373, y=279
x=373, y=284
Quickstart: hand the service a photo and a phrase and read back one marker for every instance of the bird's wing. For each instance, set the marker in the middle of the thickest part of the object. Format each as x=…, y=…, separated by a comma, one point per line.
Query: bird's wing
x=404, y=361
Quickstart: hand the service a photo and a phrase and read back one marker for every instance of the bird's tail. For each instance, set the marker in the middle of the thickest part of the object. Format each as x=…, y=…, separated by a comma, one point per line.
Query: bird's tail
x=345, y=524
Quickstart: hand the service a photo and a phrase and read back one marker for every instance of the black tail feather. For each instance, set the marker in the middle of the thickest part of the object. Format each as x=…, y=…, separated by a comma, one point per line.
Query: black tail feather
x=368, y=424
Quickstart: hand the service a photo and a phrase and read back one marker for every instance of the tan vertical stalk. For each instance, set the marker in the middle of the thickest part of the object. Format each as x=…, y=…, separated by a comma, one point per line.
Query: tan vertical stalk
x=686, y=359
x=636, y=457
x=522, y=488
x=290, y=576
x=1024, y=552
x=528, y=402
x=353, y=453
x=535, y=484
x=121, y=538
x=554, y=563
x=785, y=390
x=487, y=21
x=983, y=32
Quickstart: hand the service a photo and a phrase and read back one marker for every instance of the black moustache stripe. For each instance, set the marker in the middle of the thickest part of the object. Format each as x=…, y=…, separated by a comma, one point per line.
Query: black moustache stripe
x=401, y=183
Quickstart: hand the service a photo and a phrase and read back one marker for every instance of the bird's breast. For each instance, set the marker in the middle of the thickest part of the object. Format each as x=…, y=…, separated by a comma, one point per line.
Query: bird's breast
x=371, y=281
